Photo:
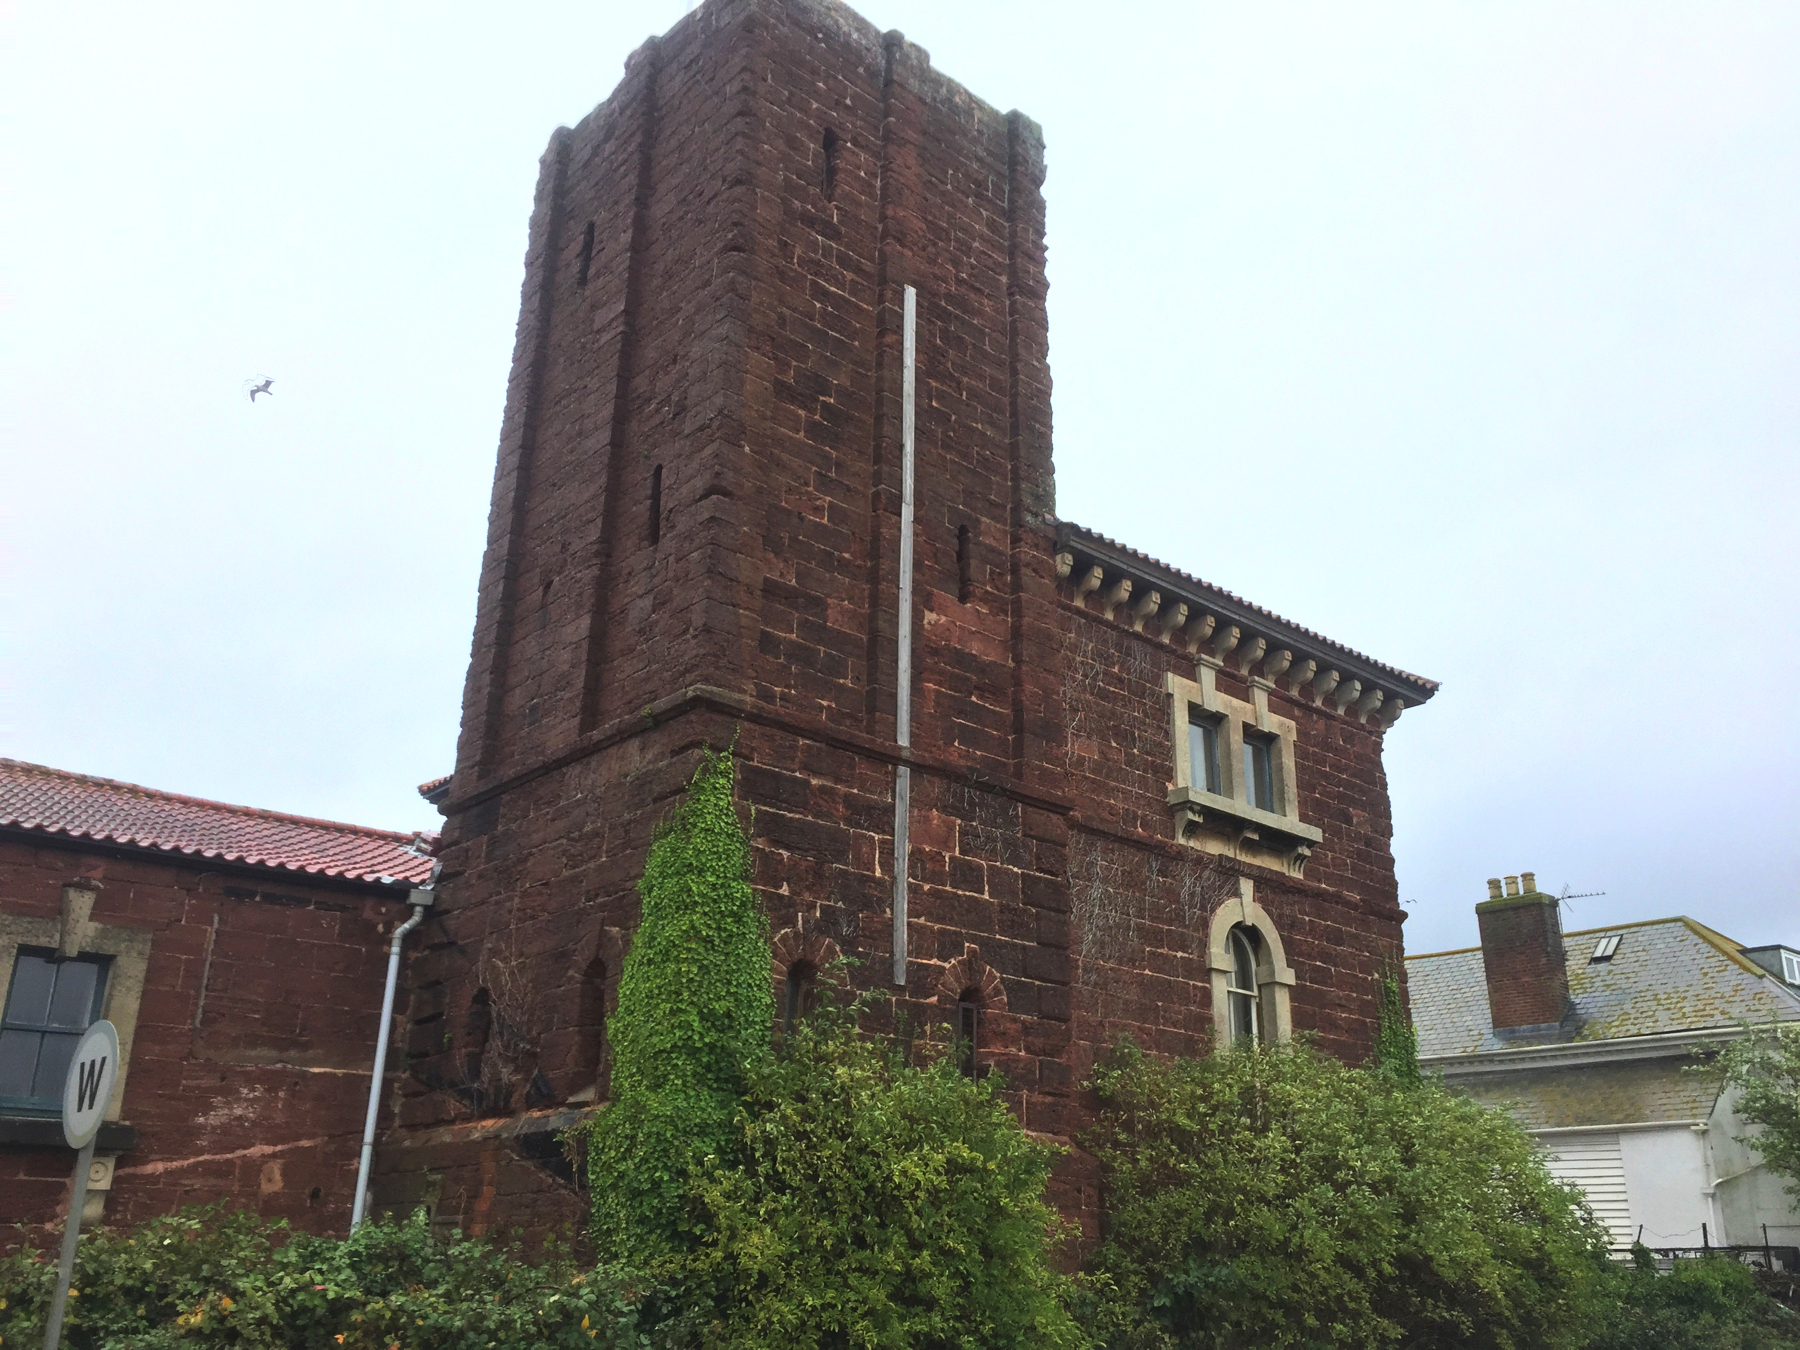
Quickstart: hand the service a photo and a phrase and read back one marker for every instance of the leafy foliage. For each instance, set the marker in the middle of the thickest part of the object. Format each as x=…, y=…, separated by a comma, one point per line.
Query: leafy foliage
x=1764, y=1066
x=863, y=1202
x=207, y=1277
x=695, y=1007
x=1271, y=1197
x=1396, y=1041
x=1709, y=1304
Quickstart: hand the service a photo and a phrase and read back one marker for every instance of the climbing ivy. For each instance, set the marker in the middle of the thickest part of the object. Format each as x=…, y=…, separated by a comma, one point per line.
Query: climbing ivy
x=1396, y=1055
x=695, y=1008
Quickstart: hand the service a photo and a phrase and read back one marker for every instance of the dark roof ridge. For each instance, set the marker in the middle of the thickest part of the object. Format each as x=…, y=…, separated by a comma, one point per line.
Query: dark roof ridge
x=1064, y=527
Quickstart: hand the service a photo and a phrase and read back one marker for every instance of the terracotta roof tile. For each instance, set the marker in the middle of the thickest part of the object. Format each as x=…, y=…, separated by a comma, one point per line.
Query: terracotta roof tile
x=79, y=806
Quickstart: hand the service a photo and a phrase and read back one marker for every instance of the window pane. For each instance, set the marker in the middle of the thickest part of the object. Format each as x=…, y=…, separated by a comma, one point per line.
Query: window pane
x=1259, y=784
x=53, y=1065
x=72, y=1005
x=28, y=999
x=18, y=1062
x=1243, y=963
x=1203, y=747
x=1243, y=1017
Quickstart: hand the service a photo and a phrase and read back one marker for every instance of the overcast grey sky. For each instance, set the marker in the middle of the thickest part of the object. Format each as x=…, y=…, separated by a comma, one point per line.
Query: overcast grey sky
x=1467, y=334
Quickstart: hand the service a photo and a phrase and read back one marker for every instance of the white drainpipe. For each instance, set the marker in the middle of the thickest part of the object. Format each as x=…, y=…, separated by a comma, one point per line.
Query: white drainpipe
x=420, y=901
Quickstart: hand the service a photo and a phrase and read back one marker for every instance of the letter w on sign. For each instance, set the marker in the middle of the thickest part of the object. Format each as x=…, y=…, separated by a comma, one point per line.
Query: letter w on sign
x=87, y=1088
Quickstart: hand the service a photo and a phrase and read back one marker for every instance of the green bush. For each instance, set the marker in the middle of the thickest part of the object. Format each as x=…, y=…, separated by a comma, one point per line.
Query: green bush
x=1271, y=1197
x=695, y=1008
x=209, y=1277
x=862, y=1202
x=1709, y=1304
x=1764, y=1066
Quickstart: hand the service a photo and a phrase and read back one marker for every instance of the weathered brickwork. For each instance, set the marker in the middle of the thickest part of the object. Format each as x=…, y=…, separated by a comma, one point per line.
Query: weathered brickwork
x=250, y=1046
x=695, y=539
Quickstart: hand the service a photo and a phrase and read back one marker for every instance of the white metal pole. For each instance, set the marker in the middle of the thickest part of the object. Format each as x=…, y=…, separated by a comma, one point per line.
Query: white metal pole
x=65, y=1267
x=903, y=672
x=381, y=1049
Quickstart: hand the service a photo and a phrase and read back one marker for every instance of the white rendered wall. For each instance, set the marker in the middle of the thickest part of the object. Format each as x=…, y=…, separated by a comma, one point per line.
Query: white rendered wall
x=1748, y=1195
x=1666, y=1177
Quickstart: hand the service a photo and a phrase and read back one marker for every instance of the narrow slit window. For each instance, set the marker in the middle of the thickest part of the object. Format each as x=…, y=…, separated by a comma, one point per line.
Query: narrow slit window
x=968, y=1036
x=828, y=171
x=1259, y=773
x=1203, y=752
x=797, y=996
x=1241, y=989
x=591, y=1028
x=656, y=506
x=587, y=255
x=965, y=567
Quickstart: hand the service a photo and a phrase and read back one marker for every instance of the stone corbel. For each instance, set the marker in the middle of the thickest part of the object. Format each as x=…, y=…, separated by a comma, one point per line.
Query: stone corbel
x=1250, y=653
x=1323, y=683
x=1089, y=584
x=1065, y=564
x=1276, y=664
x=1346, y=694
x=1390, y=712
x=1368, y=703
x=1116, y=595
x=1297, y=860
x=1223, y=641
x=73, y=919
x=1199, y=629
x=1170, y=619
x=1300, y=674
x=1147, y=605
x=1188, y=820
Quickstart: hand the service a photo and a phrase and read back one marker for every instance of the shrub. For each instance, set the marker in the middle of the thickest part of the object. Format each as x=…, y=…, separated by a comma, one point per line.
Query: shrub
x=1710, y=1304
x=695, y=1007
x=211, y=1277
x=1764, y=1066
x=1272, y=1197
x=863, y=1202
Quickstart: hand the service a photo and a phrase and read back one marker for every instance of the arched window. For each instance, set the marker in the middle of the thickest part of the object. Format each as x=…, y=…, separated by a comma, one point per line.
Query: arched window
x=968, y=1033
x=1242, y=990
x=590, y=1031
x=1250, y=974
x=798, y=988
x=477, y=1025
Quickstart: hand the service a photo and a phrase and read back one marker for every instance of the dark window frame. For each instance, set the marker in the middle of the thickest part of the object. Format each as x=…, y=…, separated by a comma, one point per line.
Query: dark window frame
x=15, y=1026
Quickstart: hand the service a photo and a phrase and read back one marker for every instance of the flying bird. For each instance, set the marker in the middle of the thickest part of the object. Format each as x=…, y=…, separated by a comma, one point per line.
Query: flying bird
x=254, y=389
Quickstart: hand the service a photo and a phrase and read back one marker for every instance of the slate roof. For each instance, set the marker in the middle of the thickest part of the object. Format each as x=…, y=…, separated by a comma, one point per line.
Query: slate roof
x=1667, y=975
x=1564, y=1097
x=49, y=801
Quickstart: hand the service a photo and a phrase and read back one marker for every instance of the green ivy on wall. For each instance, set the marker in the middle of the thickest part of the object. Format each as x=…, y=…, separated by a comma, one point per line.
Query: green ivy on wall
x=695, y=1007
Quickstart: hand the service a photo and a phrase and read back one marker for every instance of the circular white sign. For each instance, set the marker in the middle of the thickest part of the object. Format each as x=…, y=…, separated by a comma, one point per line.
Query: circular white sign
x=89, y=1085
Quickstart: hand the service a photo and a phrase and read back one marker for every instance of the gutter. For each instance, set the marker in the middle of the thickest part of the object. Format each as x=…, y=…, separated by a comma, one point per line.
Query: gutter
x=420, y=900
x=1661, y=1045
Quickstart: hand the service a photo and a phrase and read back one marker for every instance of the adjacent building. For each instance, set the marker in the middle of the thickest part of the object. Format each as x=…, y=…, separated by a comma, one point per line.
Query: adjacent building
x=1598, y=1041
x=241, y=955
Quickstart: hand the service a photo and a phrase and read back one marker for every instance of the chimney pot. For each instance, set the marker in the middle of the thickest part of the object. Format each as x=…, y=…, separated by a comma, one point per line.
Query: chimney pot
x=1528, y=880
x=1512, y=885
x=1493, y=888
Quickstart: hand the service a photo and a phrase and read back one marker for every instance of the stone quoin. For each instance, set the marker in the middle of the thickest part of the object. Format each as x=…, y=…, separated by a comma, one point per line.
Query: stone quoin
x=1138, y=804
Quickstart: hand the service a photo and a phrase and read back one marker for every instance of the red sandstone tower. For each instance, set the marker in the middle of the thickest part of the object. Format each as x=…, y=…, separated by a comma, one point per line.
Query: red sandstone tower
x=696, y=535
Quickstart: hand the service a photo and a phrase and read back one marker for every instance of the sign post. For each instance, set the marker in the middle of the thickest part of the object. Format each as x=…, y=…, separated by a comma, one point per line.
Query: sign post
x=86, y=1092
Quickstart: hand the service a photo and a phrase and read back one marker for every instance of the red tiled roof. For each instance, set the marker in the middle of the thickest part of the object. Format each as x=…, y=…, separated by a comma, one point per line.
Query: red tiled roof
x=79, y=806
x=1081, y=532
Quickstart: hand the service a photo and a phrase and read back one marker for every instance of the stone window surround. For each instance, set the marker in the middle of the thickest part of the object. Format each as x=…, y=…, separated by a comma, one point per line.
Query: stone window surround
x=1224, y=821
x=129, y=949
x=1274, y=977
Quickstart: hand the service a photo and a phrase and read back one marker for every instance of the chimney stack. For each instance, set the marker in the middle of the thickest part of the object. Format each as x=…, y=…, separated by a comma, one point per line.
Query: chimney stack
x=1522, y=952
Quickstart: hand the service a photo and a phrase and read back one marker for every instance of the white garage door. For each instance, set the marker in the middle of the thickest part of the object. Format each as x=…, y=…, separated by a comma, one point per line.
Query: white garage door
x=1592, y=1162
